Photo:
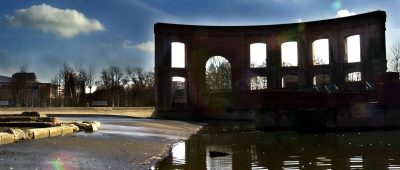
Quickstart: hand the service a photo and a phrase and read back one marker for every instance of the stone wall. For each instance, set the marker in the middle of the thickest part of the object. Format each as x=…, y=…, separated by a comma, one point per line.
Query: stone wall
x=233, y=42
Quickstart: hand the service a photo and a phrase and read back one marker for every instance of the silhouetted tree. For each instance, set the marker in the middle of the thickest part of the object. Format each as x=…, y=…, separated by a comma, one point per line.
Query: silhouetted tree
x=81, y=81
x=286, y=64
x=21, y=89
x=141, y=90
x=69, y=85
x=394, y=57
x=136, y=88
x=90, y=78
x=57, y=83
x=258, y=83
x=318, y=61
x=113, y=81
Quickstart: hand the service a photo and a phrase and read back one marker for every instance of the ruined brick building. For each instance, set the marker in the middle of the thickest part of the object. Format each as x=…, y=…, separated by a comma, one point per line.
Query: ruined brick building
x=286, y=86
x=23, y=90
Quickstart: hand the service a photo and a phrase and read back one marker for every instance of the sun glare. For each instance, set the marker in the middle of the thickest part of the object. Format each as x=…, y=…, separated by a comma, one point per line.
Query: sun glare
x=177, y=55
x=353, y=49
x=179, y=79
x=320, y=52
x=258, y=55
x=289, y=54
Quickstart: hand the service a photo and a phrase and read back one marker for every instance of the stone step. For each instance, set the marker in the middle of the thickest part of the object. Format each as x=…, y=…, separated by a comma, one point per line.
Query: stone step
x=29, y=124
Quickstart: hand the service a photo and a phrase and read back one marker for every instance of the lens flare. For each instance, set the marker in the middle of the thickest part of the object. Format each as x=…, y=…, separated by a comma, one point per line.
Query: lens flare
x=301, y=27
x=60, y=161
x=57, y=164
x=336, y=5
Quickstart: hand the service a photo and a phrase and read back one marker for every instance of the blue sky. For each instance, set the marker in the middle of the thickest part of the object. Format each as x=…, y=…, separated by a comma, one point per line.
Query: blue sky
x=45, y=34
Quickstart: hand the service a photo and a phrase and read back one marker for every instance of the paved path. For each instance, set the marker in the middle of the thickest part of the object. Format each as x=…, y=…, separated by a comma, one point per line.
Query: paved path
x=121, y=143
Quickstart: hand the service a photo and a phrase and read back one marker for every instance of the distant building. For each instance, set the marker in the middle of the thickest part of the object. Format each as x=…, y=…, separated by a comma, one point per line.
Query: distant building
x=23, y=90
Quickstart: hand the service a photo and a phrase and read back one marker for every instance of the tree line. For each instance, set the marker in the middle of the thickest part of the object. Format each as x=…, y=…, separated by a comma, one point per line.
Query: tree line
x=115, y=87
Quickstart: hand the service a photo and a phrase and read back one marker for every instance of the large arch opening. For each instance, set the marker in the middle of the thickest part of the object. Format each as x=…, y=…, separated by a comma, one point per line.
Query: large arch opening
x=320, y=52
x=218, y=74
x=353, y=49
x=289, y=54
x=177, y=55
x=258, y=55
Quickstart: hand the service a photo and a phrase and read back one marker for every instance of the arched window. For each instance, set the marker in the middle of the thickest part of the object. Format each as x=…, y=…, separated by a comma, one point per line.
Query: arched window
x=353, y=77
x=320, y=51
x=258, y=83
x=352, y=49
x=178, y=90
x=218, y=74
x=258, y=55
x=289, y=54
x=321, y=79
x=289, y=81
x=177, y=55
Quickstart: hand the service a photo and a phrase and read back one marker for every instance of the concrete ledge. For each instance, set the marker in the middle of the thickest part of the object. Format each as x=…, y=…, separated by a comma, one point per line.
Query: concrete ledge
x=37, y=133
x=6, y=138
x=25, y=128
x=67, y=130
x=55, y=131
x=40, y=133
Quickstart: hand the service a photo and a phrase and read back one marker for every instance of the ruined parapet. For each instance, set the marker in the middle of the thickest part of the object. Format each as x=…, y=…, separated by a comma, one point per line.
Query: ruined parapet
x=387, y=87
x=233, y=43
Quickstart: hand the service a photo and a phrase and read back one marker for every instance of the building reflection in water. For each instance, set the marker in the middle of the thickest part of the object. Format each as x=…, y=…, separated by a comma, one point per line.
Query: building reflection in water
x=287, y=150
x=178, y=153
x=219, y=162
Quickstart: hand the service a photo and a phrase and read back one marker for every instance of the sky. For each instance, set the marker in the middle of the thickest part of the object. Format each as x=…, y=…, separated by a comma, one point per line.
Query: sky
x=44, y=34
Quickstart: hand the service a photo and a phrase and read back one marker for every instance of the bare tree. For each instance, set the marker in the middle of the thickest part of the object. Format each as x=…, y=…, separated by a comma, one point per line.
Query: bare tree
x=81, y=81
x=258, y=83
x=394, y=57
x=57, y=83
x=353, y=77
x=149, y=80
x=113, y=81
x=218, y=74
x=318, y=60
x=141, y=90
x=23, y=68
x=137, y=76
x=90, y=78
x=21, y=87
x=286, y=64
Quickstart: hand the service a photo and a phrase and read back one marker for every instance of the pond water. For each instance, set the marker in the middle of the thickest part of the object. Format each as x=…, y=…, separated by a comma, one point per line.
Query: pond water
x=240, y=147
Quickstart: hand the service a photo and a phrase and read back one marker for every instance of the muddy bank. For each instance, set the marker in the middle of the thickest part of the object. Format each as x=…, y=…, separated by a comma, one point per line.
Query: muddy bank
x=121, y=143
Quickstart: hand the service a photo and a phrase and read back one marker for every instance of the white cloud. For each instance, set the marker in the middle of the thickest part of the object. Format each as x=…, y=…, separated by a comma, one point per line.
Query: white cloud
x=344, y=13
x=145, y=46
x=62, y=22
x=127, y=44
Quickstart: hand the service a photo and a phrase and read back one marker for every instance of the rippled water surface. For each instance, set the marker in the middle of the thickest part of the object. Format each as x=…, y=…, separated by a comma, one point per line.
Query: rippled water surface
x=243, y=149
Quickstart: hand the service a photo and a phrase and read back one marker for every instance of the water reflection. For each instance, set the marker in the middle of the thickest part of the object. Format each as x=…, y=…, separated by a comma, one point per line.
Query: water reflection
x=356, y=162
x=286, y=150
x=179, y=154
x=223, y=161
